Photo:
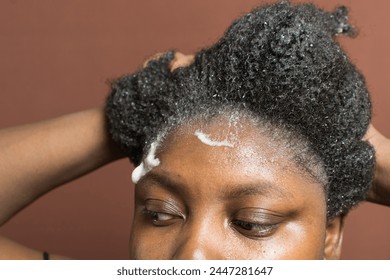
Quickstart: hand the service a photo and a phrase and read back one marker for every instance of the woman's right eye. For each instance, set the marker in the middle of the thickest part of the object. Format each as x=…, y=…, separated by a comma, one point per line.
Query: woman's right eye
x=159, y=218
x=161, y=213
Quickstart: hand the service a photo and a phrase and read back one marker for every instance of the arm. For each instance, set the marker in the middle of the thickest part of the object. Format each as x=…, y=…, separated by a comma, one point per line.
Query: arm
x=11, y=250
x=36, y=158
x=380, y=190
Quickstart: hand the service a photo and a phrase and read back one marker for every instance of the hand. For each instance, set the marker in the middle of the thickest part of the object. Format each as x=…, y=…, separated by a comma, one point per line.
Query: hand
x=380, y=189
x=180, y=60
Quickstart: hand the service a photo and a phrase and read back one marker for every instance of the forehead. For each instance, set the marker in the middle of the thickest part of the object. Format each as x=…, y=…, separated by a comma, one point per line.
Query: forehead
x=222, y=155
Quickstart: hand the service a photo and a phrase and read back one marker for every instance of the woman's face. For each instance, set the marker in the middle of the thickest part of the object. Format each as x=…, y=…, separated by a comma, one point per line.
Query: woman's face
x=229, y=193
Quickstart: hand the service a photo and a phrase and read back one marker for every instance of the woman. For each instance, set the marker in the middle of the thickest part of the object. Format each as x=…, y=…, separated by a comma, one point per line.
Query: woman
x=275, y=103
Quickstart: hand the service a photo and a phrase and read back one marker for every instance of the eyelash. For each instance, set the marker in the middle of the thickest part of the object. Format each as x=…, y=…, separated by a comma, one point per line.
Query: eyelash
x=153, y=215
x=254, y=230
x=248, y=229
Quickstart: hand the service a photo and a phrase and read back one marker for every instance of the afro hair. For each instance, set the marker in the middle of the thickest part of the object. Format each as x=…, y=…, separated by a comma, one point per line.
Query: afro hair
x=280, y=62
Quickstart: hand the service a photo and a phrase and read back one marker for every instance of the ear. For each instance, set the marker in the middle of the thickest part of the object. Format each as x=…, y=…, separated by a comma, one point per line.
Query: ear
x=334, y=238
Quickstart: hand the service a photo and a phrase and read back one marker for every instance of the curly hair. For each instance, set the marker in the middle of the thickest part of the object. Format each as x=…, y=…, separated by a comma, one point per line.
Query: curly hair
x=280, y=63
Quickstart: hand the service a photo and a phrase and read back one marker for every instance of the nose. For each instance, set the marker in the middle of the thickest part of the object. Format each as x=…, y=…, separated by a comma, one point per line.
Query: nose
x=201, y=241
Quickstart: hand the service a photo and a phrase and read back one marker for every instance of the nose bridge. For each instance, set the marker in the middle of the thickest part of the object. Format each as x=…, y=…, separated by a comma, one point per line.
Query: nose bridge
x=200, y=240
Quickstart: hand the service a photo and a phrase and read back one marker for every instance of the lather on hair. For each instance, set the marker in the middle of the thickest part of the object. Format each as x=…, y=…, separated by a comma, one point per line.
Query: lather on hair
x=280, y=62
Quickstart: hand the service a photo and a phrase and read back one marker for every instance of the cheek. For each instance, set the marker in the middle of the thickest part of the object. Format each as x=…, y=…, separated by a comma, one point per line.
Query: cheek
x=295, y=241
x=292, y=241
x=150, y=243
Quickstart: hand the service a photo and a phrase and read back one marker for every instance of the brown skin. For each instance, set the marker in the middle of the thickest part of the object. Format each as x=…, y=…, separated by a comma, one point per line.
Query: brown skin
x=62, y=158
x=49, y=155
x=380, y=190
x=247, y=203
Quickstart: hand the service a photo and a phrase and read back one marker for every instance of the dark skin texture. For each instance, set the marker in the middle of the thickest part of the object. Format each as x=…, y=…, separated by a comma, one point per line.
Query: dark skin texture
x=250, y=202
x=380, y=189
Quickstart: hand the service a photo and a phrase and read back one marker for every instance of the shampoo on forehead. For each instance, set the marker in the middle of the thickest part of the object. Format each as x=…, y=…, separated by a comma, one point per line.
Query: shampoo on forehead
x=205, y=138
x=146, y=165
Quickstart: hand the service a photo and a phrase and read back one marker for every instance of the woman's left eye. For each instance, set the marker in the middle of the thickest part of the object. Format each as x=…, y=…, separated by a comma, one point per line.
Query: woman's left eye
x=254, y=230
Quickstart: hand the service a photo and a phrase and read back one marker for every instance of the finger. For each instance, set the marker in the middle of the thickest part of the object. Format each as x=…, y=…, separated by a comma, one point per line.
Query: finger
x=181, y=60
x=153, y=57
x=371, y=131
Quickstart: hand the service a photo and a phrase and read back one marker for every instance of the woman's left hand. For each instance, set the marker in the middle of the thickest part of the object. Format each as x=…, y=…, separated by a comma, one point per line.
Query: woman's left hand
x=380, y=189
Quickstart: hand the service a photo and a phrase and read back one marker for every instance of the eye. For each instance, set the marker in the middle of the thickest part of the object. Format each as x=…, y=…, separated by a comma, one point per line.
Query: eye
x=254, y=230
x=160, y=219
x=256, y=222
x=161, y=212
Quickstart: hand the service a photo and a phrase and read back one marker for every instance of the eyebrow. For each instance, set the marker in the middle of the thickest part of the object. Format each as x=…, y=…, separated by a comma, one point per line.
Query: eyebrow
x=257, y=189
x=164, y=180
x=229, y=192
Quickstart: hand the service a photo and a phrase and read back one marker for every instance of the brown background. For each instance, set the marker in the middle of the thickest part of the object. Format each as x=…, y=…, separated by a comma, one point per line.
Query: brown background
x=57, y=56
